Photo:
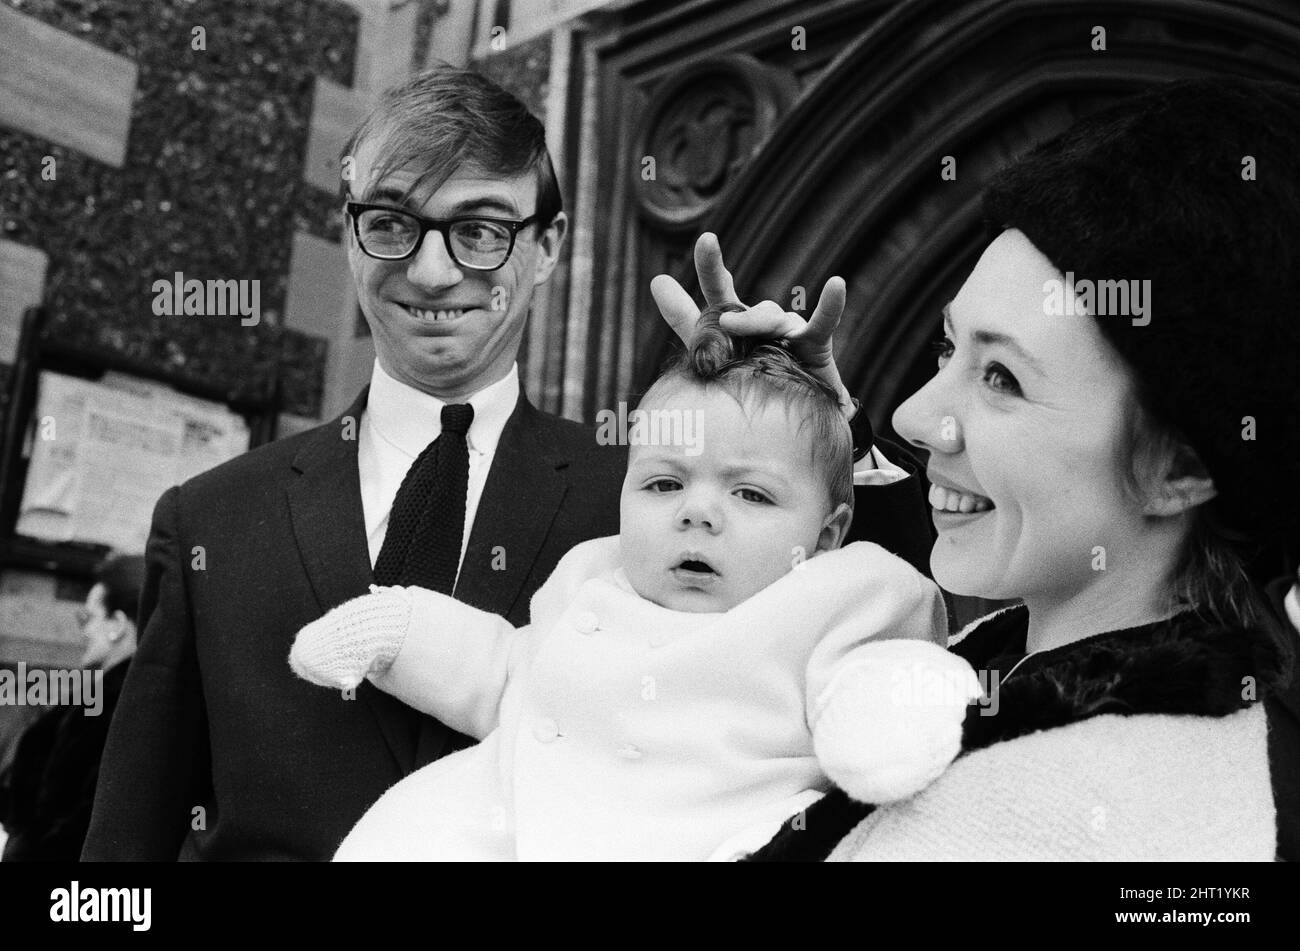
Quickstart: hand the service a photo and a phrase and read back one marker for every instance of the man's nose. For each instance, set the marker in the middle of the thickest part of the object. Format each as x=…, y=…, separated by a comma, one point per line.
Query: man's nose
x=431, y=266
x=929, y=419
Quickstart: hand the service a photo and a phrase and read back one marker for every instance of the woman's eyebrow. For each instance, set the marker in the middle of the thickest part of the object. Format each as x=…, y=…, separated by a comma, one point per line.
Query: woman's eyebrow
x=989, y=338
x=993, y=338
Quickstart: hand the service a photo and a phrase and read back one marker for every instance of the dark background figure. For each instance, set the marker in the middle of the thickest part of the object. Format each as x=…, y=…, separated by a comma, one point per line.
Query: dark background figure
x=47, y=791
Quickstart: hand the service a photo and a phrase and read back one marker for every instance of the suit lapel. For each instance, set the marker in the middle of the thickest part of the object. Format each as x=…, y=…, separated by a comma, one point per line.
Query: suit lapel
x=325, y=505
x=520, y=499
x=330, y=529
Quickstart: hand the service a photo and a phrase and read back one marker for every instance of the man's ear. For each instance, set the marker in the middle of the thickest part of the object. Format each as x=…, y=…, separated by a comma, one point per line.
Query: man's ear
x=835, y=528
x=1180, y=485
x=549, y=243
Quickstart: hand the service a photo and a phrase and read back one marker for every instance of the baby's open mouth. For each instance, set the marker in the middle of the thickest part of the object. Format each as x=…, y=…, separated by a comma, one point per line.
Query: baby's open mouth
x=693, y=564
x=694, y=572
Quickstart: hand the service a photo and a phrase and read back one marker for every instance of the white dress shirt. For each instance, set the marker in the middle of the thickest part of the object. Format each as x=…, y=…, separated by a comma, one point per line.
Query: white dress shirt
x=399, y=422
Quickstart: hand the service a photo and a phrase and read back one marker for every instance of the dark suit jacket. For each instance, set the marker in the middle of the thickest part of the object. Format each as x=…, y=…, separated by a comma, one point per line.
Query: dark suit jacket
x=217, y=751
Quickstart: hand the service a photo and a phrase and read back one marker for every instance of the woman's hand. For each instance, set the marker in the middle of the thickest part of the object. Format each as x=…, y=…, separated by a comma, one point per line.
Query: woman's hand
x=810, y=340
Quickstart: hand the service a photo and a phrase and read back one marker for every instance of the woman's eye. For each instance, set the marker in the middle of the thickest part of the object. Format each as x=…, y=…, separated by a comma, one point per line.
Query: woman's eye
x=663, y=485
x=752, y=495
x=942, y=348
x=1000, y=378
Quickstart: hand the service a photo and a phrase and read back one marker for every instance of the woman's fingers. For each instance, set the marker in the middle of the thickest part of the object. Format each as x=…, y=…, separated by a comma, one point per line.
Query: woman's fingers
x=715, y=280
x=675, y=306
x=810, y=340
x=765, y=319
x=826, y=316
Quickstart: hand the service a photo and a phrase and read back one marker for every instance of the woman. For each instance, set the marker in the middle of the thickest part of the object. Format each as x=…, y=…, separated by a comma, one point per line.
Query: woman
x=1130, y=477
x=47, y=793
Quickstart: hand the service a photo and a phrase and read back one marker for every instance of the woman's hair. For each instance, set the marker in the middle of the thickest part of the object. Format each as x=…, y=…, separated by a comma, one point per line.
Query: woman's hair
x=122, y=577
x=753, y=371
x=1210, y=575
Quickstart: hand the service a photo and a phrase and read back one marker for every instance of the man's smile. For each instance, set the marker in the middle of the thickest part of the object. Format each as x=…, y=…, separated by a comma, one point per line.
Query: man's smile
x=434, y=314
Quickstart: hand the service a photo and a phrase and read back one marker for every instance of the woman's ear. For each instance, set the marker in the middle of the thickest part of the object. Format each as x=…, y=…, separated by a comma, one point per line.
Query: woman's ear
x=1180, y=485
x=835, y=528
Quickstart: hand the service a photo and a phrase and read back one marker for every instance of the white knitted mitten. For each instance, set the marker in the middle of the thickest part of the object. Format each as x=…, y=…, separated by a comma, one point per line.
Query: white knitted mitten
x=889, y=723
x=355, y=639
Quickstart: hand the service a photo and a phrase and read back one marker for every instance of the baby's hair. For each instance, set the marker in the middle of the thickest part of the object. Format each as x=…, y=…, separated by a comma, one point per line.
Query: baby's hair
x=753, y=370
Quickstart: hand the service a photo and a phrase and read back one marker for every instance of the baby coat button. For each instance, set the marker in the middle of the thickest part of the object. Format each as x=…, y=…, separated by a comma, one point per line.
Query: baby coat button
x=546, y=730
x=629, y=752
x=586, y=622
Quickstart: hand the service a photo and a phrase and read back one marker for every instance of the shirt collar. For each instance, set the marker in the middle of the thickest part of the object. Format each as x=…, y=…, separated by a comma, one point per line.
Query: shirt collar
x=410, y=419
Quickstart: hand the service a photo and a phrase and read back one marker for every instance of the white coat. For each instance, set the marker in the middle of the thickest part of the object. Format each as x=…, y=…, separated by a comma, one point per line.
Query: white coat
x=613, y=728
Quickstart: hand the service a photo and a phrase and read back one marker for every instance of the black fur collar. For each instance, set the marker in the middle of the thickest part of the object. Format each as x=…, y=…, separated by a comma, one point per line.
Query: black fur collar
x=1180, y=665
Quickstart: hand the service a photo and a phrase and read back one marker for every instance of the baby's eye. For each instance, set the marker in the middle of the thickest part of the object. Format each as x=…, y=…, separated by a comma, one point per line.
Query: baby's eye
x=663, y=485
x=752, y=495
x=942, y=348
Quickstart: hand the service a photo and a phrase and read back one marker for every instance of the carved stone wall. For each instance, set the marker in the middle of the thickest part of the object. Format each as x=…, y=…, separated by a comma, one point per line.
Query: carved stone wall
x=669, y=108
x=215, y=137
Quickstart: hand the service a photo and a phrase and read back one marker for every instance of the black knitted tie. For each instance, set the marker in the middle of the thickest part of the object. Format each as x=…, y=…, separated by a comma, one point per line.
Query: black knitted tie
x=422, y=544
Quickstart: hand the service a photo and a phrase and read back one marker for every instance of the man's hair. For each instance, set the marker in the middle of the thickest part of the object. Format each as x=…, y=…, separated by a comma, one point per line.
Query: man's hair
x=122, y=577
x=753, y=371
x=445, y=118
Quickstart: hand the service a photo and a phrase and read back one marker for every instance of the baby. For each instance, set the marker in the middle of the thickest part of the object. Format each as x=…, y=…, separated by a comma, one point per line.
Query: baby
x=678, y=682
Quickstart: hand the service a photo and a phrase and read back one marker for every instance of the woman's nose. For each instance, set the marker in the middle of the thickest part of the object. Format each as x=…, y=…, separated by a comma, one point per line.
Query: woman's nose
x=928, y=420
x=431, y=266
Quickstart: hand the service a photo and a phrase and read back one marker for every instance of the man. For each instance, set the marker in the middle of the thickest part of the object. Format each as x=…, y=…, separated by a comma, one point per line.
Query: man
x=217, y=751
x=47, y=793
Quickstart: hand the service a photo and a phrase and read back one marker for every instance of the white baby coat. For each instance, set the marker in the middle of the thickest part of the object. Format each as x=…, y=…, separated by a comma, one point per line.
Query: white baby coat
x=616, y=729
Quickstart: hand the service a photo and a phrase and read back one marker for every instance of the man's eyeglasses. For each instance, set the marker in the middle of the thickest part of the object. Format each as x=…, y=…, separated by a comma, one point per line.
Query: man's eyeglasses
x=474, y=242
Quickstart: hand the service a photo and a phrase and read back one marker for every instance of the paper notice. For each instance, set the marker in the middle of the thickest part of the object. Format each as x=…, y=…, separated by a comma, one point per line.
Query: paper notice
x=103, y=452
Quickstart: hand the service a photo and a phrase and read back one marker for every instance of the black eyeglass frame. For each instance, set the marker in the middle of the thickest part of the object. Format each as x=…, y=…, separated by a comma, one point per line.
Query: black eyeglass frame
x=441, y=225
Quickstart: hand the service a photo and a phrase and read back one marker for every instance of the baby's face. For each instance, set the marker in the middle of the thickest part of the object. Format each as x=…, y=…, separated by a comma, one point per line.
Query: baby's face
x=707, y=524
